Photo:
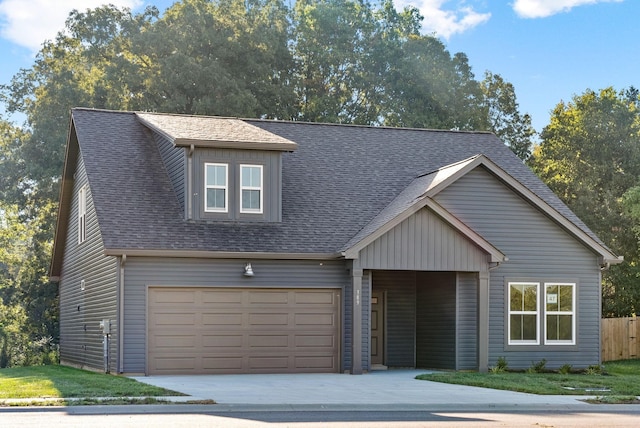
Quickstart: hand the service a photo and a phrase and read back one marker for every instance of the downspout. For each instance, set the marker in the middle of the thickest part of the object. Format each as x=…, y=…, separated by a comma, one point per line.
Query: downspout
x=190, y=182
x=123, y=261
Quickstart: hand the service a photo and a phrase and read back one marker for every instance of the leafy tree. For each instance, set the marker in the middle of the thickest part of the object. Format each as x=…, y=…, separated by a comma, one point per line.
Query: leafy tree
x=504, y=116
x=590, y=157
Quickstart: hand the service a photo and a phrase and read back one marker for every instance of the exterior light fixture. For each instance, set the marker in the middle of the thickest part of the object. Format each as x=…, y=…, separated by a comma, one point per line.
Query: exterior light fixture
x=247, y=270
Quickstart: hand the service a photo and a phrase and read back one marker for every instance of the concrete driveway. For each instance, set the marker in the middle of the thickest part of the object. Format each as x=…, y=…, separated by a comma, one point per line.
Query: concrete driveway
x=380, y=388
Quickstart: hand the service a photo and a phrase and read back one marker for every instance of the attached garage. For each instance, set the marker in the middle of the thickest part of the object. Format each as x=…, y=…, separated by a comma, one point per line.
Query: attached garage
x=242, y=330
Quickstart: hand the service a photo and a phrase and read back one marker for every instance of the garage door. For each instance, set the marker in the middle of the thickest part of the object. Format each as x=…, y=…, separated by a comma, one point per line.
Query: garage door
x=229, y=330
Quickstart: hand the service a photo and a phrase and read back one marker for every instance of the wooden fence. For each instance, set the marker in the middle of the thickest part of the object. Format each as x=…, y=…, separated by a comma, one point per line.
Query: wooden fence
x=619, y=338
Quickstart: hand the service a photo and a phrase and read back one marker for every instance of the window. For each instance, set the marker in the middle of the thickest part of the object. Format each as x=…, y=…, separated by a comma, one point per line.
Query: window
x=559, y=313
x=251, y=189
x=215, y=187
x=523, y=313
x=82, y=214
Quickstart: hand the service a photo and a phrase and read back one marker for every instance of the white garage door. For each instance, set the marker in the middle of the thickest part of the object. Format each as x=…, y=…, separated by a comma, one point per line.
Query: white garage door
x=234, y=330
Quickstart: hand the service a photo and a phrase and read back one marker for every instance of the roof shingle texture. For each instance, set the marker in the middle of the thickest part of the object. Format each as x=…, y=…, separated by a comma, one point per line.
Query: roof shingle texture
x=337, y=181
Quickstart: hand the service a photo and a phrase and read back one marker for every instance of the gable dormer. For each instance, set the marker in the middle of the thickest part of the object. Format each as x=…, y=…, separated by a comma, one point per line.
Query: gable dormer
x=222, y=169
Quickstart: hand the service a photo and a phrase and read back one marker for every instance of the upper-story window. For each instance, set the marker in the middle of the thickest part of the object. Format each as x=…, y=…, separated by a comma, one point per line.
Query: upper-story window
x=82, y=214
x=251, y=191
x=216, y=179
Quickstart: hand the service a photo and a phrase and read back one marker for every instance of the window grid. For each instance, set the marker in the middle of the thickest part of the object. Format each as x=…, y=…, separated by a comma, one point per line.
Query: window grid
x=82, y=214
x=216, y=179
x=557, y=329
x=519, y=311
x=251, y=189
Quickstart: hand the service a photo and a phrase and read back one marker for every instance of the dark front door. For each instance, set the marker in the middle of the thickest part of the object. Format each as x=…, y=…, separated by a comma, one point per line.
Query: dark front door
x=377, y=328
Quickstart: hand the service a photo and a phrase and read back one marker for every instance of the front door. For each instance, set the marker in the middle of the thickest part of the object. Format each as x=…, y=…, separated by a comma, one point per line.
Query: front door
x=377, y=329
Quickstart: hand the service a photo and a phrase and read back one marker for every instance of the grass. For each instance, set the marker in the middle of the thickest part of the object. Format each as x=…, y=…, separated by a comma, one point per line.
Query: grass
x=66, y=382
x=620, y=381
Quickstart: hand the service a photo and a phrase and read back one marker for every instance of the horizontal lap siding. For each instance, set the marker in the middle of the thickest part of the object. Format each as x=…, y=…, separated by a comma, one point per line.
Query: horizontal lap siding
x=82, y=311
x=537, y=249
x=177, y=272
x=175, y=164
x=423, y=242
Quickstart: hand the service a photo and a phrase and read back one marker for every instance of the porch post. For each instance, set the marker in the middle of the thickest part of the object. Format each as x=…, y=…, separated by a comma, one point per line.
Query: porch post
x=483, y=321
x=356, y=336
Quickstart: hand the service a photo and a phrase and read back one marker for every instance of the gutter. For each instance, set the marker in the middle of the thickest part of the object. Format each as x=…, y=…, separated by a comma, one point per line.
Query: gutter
x=123, y=262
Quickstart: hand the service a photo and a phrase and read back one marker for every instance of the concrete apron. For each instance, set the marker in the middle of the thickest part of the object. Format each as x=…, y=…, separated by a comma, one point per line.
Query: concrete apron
x=380, y=388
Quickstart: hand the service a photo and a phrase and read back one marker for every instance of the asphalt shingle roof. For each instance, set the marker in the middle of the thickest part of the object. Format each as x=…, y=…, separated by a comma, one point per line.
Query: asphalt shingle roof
x=336, y=182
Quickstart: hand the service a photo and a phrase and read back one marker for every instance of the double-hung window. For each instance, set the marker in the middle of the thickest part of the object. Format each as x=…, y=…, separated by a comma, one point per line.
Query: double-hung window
x=251, y=191
x=216, y=192
x=82, y=214
x=523, y=313
x=560, y=317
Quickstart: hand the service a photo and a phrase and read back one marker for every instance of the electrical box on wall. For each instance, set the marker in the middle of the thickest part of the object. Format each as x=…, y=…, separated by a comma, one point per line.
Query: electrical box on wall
x=105, y=325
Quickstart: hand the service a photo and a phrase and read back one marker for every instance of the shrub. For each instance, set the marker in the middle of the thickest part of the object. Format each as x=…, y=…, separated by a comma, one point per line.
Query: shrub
x=538, y=367
x=565, y=369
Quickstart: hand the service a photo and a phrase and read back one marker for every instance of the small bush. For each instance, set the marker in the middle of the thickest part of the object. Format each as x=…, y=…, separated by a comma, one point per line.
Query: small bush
x=500, y=367
x=594, y=369
x=565, y=369
x=538, y=367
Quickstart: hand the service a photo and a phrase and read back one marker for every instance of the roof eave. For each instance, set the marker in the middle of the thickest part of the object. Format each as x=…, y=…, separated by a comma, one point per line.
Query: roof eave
x=138, y=252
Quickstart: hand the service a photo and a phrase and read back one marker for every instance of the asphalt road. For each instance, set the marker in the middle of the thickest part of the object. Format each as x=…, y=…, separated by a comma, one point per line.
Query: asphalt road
x=212, y=416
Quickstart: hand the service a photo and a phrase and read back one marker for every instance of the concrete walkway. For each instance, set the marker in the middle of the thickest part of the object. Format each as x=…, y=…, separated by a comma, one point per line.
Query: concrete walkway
x=382, y=389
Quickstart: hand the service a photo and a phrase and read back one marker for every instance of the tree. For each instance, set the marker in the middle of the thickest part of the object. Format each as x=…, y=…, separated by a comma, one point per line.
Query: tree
x=504, y=117
x=590, y=157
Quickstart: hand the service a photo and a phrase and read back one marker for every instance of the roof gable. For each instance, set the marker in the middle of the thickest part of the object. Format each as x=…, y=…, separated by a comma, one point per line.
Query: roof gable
x=420, y=192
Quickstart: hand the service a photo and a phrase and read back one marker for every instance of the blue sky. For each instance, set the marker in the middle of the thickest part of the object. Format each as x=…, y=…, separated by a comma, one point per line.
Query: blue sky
x=549, y=50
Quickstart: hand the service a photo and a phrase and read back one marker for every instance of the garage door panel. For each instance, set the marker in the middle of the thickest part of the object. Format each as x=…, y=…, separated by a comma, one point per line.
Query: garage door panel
x=220, y=330
x=222, y=319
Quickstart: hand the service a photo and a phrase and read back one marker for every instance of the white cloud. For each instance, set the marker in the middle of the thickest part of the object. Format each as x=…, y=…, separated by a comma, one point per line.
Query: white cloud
x=544, y=8
x=30, y=23
x=449, y=21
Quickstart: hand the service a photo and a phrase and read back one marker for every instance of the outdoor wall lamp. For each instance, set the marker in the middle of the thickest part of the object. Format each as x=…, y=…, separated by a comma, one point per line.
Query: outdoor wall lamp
x=248, y=271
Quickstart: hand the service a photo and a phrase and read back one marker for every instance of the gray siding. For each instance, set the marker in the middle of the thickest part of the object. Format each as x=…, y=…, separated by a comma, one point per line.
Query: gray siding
x=174, y=160
x=423, y=242
x=467, y=327
x=143, y=272
x=272, y=186
x=400, y=290
x=538, y=249
x=436, y=320
x=81, y=311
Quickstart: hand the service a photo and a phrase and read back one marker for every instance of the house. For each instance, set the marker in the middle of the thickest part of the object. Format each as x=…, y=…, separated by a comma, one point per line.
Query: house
x=189, y=244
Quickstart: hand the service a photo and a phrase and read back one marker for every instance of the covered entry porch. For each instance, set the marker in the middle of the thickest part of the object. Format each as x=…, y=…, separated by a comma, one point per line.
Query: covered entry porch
x=423, y=320
x=420, y=294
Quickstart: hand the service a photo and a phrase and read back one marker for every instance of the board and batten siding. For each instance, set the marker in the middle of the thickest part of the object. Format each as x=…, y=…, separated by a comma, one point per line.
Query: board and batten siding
x=82, y=310
x=426, y=243
x=538, y=249
x=467, y=325
x=142, y=272
x=436, y=320
x=174, y=159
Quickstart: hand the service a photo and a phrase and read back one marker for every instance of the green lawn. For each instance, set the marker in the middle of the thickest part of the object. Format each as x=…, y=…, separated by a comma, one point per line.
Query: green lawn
x=620, y=378
x=67, y=382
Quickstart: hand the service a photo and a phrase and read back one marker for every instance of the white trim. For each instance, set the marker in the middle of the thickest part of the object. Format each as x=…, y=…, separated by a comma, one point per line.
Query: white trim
x=224, y=187
x=572, y=313
x=259, y=188
x=82, y=214
x=536, y=313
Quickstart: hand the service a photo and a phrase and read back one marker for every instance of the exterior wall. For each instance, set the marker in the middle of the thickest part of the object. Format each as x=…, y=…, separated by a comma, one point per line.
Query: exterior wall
x=423, y=242
x=539, y=250
x=436, y=320
x=81, y=311
x=272, y=185
x=178, y=272
x=467, y=326
x=174, y=159
x=400, y=288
